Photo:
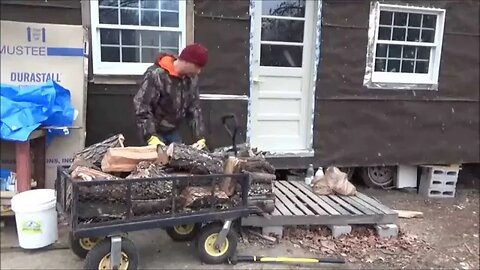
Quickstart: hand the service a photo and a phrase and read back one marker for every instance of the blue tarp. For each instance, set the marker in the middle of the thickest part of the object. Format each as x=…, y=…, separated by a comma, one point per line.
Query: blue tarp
x=25, y=108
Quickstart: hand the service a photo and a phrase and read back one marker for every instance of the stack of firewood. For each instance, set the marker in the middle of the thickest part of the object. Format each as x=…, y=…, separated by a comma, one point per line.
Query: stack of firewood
x=261, y=172
x=111, y=160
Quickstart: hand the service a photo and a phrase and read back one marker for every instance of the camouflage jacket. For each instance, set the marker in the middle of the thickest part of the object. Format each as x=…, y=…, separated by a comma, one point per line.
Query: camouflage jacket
x=164, y=100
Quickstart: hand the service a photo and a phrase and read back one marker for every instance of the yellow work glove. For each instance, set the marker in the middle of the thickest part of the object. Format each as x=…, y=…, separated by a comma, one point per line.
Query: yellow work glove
x=154, y=140
x=200, y=144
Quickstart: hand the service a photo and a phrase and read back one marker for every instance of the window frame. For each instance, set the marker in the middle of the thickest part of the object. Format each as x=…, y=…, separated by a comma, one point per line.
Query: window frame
x=398, y=80
x=114, y=68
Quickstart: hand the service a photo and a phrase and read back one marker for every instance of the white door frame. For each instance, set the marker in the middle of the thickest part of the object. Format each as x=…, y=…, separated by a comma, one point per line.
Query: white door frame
x=310, y=81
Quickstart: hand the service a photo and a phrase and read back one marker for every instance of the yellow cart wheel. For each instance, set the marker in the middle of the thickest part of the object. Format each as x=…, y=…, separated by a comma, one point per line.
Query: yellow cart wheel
x=99, y=256
x=207, y=251
x=81, y=246
x=182, y=233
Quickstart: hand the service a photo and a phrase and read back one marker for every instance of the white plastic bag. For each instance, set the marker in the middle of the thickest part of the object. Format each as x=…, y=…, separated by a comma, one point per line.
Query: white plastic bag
x=334, y=181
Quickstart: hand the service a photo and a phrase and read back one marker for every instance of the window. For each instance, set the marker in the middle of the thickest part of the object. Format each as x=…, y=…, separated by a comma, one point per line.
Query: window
x=128, y=34
x=405, y=47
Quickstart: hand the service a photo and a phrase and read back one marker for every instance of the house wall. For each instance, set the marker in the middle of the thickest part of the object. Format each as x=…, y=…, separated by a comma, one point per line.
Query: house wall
x=353, y=126
x=356, y=126
x=58, y=11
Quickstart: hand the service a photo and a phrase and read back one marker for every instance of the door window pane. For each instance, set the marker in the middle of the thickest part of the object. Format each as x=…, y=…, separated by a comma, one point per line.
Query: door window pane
x=282, y=30
x=288, y=8
x=281, y=55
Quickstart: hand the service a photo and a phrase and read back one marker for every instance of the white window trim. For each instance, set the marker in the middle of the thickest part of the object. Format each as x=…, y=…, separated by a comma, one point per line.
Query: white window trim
x=390, y=80
x=110, y=68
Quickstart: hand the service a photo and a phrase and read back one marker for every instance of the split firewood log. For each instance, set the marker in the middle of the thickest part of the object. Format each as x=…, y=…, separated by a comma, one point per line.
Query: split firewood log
x=125, y=159
x=95, y=152
x=228, y=184
x=88, y=174
x=186, y=158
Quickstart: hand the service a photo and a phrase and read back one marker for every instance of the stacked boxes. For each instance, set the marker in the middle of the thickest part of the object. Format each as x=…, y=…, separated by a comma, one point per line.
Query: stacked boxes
x=439, y=181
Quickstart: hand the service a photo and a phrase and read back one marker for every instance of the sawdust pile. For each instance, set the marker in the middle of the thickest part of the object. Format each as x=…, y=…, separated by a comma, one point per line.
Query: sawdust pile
x=362, y=245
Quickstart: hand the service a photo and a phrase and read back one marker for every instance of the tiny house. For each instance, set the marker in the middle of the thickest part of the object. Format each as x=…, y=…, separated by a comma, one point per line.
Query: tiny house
x=360, y=83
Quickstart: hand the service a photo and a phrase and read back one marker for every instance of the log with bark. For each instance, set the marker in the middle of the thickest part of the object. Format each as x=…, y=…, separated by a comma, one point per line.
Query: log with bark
x=260, y=189
x=260, y=177
x=186, y=158
x=155, y=206
x=257, y=164
x=199, y=197
x=95, y=152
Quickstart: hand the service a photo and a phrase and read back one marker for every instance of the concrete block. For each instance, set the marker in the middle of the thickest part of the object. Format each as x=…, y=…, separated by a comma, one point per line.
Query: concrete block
x=275, y=230
x=387, y=230
x=338, y=230
x=440, y=193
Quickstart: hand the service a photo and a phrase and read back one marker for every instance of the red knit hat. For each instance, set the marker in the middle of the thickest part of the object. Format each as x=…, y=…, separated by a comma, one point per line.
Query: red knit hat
x=195, y=53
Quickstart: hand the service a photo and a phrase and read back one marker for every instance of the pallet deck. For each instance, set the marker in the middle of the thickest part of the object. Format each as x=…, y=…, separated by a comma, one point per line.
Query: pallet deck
x=296, y=204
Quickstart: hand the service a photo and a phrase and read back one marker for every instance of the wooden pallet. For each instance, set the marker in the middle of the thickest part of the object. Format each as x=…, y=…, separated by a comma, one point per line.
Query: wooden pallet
x=296, y=204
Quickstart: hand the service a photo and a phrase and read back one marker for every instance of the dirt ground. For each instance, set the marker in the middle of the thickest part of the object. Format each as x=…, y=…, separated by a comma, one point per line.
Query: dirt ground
x=447, y=237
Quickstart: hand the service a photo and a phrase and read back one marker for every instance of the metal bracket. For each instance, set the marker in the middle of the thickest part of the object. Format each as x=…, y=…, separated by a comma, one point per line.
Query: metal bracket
x=115, y=252
x=223, y=234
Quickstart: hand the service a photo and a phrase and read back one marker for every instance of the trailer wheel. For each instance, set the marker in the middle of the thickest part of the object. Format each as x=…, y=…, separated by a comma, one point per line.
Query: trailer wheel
x=182, y=233
x=99, y=256
x=206, y=245
x=378, y=176
x=81, y=246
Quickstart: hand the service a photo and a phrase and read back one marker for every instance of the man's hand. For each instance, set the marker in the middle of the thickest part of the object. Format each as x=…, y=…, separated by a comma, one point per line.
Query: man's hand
x=154, y=140
x=200, y=144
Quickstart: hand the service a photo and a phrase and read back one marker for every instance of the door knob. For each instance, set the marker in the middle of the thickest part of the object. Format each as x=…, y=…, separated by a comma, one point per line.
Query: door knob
x=257, y=80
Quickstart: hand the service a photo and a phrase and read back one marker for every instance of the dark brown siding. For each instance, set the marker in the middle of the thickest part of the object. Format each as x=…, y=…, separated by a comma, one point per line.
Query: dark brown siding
x=110, y=111
x=224, y=28
x=60, y=12
x=359, y=126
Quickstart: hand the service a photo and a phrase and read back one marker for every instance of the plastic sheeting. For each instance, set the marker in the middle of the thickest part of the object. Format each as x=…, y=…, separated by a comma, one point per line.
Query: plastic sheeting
x=25, y=108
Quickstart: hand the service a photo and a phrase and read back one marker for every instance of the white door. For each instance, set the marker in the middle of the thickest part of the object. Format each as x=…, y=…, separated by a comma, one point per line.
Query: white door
x=282, y=90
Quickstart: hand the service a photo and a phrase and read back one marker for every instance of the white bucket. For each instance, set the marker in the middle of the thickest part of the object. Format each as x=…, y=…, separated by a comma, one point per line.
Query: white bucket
x=36, y=218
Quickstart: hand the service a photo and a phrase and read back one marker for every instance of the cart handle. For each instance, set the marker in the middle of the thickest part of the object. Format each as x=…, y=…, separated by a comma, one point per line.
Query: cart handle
x=233, y=134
